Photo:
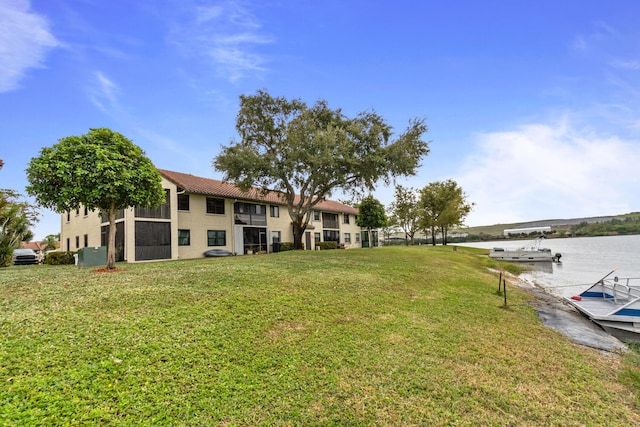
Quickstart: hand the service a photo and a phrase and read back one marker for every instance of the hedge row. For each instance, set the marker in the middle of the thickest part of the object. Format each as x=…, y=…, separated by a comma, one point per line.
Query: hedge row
x=59, y=258
x=327, y=245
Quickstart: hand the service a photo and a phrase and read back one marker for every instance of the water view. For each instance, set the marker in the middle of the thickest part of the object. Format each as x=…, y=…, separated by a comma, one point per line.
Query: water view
x=585, y=260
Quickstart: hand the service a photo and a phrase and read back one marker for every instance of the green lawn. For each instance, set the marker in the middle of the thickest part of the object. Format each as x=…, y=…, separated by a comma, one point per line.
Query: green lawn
x=388, y=336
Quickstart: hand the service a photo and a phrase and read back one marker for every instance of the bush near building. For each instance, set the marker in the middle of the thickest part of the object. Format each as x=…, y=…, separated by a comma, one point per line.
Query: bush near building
x=59, y=258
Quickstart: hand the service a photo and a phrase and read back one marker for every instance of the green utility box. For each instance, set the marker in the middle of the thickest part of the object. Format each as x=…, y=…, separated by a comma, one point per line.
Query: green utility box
x=92, y=257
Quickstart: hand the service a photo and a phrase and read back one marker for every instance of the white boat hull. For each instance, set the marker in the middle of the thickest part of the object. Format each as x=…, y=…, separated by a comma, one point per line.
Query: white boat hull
x=614, y=305
x=532, y=252
x=521, y=256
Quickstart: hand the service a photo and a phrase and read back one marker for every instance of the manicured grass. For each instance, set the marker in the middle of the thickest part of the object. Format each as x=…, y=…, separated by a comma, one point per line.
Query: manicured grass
x=386, y=336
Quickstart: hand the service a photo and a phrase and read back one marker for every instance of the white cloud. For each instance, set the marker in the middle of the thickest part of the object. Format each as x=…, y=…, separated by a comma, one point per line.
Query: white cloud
x=545, y=171
x=626, y=64
x=24, y=42
x=227, y=34
x=103, y=93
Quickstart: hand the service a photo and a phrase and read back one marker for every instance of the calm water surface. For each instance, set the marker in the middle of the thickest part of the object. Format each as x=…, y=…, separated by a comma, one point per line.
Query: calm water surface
x=585, y=260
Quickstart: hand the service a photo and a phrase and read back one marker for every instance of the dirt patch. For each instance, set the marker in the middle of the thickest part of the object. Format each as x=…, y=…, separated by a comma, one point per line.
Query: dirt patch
x=106, y=270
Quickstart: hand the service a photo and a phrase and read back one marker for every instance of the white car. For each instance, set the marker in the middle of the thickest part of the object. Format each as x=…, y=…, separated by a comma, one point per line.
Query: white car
x=25, y=256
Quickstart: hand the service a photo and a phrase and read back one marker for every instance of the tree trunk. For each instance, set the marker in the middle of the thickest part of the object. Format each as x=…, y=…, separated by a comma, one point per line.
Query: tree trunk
x=433, y=236
x=298, y=233
x=111, y=246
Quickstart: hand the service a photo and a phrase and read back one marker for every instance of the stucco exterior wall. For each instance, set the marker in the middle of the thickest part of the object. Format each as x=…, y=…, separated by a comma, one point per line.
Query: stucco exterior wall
x=75, y=225
x=198, y=222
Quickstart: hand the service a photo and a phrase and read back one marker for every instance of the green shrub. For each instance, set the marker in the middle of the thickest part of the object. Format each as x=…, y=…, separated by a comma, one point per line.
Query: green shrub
x=59, y=258
x=327, y=245
x=286, y=246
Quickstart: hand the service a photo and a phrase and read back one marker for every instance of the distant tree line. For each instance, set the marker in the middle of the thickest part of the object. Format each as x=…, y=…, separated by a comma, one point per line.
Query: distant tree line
x=630, y=225
x=613, y=227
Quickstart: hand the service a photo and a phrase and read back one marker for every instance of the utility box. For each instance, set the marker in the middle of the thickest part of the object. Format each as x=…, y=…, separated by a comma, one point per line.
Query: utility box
x=92, y=257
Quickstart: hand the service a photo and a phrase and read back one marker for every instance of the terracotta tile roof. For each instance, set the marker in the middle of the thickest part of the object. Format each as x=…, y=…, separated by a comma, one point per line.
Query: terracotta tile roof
x=212, y=187
x=36, y=246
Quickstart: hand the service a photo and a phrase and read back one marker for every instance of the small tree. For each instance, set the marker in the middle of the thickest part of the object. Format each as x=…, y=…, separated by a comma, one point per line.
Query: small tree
x=308, y=152
x=442, y=204
x=16, y=218
x=405, y=211
x=51, y=241
x=371, y=215
x=98, y=170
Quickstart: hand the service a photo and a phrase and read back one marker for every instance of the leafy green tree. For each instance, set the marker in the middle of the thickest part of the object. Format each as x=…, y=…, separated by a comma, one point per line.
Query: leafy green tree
x=405, y=211
x=101, y=170
x=371, y=215
x=16, y=218
x=51, y=241
x=306, y=153
x=443, y=205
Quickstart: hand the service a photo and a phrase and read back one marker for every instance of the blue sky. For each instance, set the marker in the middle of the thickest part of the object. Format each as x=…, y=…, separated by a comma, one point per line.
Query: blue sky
x=533, y=107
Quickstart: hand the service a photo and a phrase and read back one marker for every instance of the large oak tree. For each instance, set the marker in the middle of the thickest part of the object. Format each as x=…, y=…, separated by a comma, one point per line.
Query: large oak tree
x=101, y=170
x=307, y=152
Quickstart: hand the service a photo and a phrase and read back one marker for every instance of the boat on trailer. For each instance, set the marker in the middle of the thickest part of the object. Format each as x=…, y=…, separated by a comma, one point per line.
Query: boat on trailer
x=531, y=252
x=614, y=304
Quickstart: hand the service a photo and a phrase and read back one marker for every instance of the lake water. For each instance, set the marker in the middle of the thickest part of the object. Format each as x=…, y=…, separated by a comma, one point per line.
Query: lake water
x=585, y=260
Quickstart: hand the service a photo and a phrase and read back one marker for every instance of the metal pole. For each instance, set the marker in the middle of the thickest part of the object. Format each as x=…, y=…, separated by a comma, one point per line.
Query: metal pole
x=504, y=285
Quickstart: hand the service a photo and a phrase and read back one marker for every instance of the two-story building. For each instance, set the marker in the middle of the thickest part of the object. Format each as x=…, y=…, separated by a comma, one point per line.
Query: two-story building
x=201, y=214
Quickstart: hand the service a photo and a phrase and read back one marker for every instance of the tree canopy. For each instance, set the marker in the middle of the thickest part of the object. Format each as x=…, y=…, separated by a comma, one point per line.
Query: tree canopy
x=100, y=170
x=405, y=211
x=51, y=241
x=16, y=218
x=443, y=204
x=371, y=215
x=307, y=152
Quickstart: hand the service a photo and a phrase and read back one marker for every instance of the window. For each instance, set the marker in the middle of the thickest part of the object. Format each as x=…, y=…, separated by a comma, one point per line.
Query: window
x=250, y=214
x=86, y=211
x=183, y=202
x=184, y=237
x=215, y=206
x=152, y=240
x=86, y=240
x=357, y=237
x=68, y=244
x=316, y=237
x=346, y=218
x=161, y=212
x=77, y=242
x=68, y=216
x=316, y=215
x=331, y=236
x=275, y=241
x=347, y=237
x=329, y=220
x=275, y=211
x=216, y=238
x=77, y=211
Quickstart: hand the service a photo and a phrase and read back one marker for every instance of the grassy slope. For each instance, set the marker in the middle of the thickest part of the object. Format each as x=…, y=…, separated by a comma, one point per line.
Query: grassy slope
x=392, y=336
